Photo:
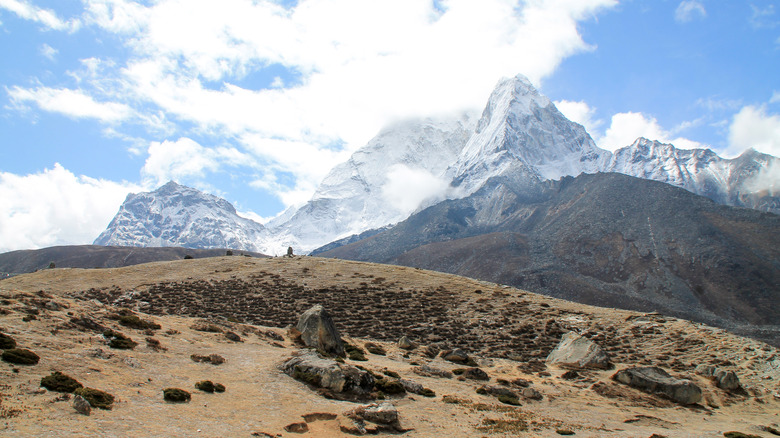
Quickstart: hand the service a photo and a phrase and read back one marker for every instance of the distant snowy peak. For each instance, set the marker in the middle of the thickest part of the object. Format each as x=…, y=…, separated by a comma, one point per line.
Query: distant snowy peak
x=381, y=183
x=749, y=180
x=176, y=215
x=521, y=132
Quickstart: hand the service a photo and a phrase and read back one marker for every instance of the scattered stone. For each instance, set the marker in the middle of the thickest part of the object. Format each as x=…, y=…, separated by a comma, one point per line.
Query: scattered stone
x=318, y=416
x=81, y=405
x=456, y=356
x=431, y=351
x=426, y=370
x=411, y=386
x=99, y=353
x=213, y=359
x=578, y=351
x=521, y=382
x=727, y=380
x=297, y=427
x=405, y=344
x=309, y=367
x=318, y=331
x=475, y=374
x=275, y=336
x=233, y=337
x=531, y=394
x=378, y=413
x=705, y=370
x=657, y=381
x=496, y=391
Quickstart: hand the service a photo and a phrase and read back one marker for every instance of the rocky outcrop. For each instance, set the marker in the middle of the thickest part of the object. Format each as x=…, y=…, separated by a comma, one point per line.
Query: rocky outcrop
x=577, y=351
x=318, y=331
x=384, y=417
x=341, y=380
x=657, y=381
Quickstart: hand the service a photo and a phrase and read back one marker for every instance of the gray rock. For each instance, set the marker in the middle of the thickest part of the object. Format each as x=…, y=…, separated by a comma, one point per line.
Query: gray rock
x=426, y=370
x=310, y=367
x=378, y=413
x=577, y=351
x=497, y=391
x=657, y=381
x=705, y=370
x=531, y=394
x=475, y=374
x=318, y=331
x=457, y=356
x=411, y=386
x=81, y=405
x=727, y=380
x=405, y=344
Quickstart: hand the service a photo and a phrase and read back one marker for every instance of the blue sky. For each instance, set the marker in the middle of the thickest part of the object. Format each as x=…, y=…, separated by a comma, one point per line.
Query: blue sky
x=256, y=100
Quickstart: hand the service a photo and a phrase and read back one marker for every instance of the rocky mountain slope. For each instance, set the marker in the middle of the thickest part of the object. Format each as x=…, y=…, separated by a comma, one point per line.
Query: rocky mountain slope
x=222, y=319
x=603, y=239
x=175, y=215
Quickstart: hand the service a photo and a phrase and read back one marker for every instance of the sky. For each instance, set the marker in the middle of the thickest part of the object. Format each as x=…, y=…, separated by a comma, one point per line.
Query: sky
x=256, y=100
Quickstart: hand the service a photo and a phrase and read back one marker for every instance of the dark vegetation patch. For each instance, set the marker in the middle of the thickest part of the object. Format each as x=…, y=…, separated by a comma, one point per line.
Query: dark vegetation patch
x=20, y=356
x=118, y=340
x=213, y=359
x=129, y=319
x=60, y=382
x=176, y=395
x=209, y=386
x=96, y=398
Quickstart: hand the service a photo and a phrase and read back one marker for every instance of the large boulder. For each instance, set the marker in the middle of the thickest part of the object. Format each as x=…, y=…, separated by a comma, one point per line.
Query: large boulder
x=657, y=381
x=318, y=331
x=341, y=379
x=577, y=351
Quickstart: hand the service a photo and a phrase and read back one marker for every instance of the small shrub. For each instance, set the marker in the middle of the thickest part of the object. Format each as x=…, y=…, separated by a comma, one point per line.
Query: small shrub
x=389, y=386
x=96, y=398
x=458, y=371
x=375, y=349
x=233, y=337
x=307, y=377
x=228, y=253
x=59, y=382
x=188, y=257
x=28, y=318
x=6, y=342
x=155, y=345
x=564, y=432
x=213, y=359
x=206, y=327
x=354, y=352
x=427, y=392
x=509, y=400
x=118, y=340
x=205, y=386
x=176, y=395
x=218, y=387
x=390, y=373
x=135, y=322
x=481, y=390
x=734, y=434
x=20, y=356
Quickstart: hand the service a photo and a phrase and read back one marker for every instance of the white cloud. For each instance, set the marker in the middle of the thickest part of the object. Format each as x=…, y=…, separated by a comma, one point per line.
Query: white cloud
x=767, y=178
x=625, y=128
x=56, y=207
x=45, y=17
x=687, y=10
x=49, y=52
x=753, y=127
x=186, y=159
x=775, y=97
x=72, y=103
x=406, y=188
x=581, y=113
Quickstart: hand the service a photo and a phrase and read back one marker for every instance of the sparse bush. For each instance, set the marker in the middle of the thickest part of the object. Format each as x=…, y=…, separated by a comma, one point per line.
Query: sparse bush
x=6, y=342
x=389, y=386
x=206, y=327
x=233, y=337
x=133, y=321
x=188, y=257
x=458, y=371
x=375, y=349
x=176, y=395
x=52, y=265
x=96, y=397
x=427, y=392
x=390, y=373
x=209, y=386
x=564, y=432
x=354, y=352
x=20, y=356
x=228, y=253
x=213, y=359
x=154, y=344
x=509, y=400
x=307, y=377
x=59, y=382
x=118, y=340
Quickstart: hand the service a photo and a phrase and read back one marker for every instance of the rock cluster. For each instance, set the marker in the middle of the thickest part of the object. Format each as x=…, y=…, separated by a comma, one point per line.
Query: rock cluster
x=657, y=381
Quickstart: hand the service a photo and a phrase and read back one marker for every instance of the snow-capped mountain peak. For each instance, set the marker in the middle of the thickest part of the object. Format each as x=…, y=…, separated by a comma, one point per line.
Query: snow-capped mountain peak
x=176, y=215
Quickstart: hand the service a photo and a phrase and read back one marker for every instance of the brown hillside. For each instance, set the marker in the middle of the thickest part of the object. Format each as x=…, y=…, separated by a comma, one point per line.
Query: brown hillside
x=509, y=333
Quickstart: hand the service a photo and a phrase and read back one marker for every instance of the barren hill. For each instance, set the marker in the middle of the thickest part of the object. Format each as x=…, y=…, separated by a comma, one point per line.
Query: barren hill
x=244, y=305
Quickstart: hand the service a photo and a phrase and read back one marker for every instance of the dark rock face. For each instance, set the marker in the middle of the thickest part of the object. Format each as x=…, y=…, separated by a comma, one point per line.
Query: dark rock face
x=657, y=381
x=308, y=366
x=603, y=239
x=318, y=331
x=577, y=351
